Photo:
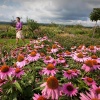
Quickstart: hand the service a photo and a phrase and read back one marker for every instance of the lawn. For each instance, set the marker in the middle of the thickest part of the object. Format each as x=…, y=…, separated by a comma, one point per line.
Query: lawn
x=12, y=42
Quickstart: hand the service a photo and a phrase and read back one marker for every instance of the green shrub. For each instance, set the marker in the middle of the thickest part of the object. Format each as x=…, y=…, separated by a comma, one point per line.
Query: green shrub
x=32, y=25
x=7, y=35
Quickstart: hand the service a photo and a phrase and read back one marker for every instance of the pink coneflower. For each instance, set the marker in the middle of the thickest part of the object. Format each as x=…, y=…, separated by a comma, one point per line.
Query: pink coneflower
x=2, y=81
x=6, y=71
x=89, y=96
x=94, y=57
x=69, y=89
x=76, y=71
x=60, y=54
x=81, y=48
x=98, y=47
x=61, y=60
x=44, y=38
x=52, y=88
x=96, y=89
x=79, y=57
x=65, y=65
x=95, y=63
x=90, y=65
x=54, y=62
x=69, y=74
x=92, y=49
x=73, y=47
x=42, y=55
x=54, y=48
x=48, y=59
x=68, y=54
x=33, y=56
x=27, y=61
x=18, y=72
x=37, y=46
x=89, y=81
x=20, y=61
x=38, y=97
x=48, y=50
x=49, y=70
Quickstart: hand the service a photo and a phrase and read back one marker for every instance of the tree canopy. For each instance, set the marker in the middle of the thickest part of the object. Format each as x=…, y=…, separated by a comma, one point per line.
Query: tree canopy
x=95, y=14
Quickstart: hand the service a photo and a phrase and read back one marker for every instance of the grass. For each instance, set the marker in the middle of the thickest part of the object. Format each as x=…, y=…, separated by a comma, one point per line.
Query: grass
x=12, y=42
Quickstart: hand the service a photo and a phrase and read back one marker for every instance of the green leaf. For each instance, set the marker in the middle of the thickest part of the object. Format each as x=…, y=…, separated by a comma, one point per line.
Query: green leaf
x=15, y=98
x=17, y=85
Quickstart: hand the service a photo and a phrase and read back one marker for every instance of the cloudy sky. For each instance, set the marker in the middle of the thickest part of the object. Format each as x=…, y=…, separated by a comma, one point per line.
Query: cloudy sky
x=46, y=11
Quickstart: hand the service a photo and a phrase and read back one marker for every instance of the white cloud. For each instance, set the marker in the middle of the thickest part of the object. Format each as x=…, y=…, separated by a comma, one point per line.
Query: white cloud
x=46, y=11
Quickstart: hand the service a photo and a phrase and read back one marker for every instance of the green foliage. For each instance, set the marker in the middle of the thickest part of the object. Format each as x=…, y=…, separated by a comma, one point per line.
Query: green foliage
x=62, y=28
x=78, y=26
x=69, y=40
x=32, y=25
x=95, y=14
x=76, y=30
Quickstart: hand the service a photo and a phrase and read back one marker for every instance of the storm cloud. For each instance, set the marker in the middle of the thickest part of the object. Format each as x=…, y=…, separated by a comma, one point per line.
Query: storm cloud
x=46, y=11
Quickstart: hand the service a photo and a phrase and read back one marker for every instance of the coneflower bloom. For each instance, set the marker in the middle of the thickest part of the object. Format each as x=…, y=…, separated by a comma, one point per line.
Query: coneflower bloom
x=79, y=57
x=33, y=56
x=76, y=71
x=49, y=70
x=54, y=48
x=94, y=57
x=96, y=65
x=38, y=97
x=37, y=46
x=68, y=54
x=2, y=81
x=51, y=88
x=27, y=61
x=44, y=38
x=42, y=55
x=48, y=59
x=81, y=48
x=61, y=60
x=20, y=61
x=54, y=62
x=96, y=89
x=90, y=65
x=89, y=81
x=49, y=50
x=60, y=54
x=69, y=89
x=98, y=47
x=92, y=49
x=89, y=96
x=73, y=47
x=65, y=65
x=69, y=74
x=6, y=71
x=18, y=72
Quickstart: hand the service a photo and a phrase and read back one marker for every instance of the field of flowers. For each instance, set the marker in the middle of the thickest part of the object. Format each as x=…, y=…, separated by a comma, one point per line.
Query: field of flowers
x=45, y=70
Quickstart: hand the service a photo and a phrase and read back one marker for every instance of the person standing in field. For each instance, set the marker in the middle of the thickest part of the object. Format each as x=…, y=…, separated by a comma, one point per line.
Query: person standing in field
x=19, y=34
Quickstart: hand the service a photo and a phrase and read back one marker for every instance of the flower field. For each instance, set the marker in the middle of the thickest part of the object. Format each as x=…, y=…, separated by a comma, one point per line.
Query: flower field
x=45, y=70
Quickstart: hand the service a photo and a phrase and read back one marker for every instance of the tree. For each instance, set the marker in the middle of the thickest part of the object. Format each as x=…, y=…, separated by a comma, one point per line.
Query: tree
x=95, y=16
